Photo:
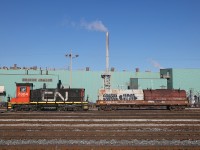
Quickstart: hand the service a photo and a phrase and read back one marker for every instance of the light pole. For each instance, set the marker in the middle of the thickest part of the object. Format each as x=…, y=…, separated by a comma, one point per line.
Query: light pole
x=71, y=56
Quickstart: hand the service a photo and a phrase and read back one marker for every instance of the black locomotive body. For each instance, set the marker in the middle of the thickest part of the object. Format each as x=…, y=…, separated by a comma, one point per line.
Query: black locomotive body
x=61, y=99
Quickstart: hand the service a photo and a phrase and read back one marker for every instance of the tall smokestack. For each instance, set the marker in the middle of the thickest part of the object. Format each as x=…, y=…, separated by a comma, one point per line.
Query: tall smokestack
x=106, y=75
x=107, y=52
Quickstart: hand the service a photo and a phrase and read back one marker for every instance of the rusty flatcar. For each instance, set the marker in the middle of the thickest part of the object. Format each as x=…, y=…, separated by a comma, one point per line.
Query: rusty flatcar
x=61, y=99
x=122, y=99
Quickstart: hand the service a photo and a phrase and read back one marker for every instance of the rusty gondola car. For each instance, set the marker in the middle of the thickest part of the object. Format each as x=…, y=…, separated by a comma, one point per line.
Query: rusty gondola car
x=61, y=99
x=114, y=99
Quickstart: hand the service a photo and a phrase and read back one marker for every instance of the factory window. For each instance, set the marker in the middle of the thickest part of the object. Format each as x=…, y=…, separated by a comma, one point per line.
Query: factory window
x=22, y=89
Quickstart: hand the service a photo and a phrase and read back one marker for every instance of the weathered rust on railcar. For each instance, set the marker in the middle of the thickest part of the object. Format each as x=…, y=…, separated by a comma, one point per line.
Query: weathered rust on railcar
x=165, y=94
x=172, y=99
x=142, y=103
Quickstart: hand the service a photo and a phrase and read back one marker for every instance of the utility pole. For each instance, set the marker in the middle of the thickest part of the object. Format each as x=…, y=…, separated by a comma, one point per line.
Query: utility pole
x=71, y=56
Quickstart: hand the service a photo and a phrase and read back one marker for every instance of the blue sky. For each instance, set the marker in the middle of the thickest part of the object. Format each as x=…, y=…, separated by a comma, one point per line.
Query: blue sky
x=148, y=34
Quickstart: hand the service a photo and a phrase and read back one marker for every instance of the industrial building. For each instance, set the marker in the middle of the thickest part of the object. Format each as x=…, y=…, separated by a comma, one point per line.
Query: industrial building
x=187, y=79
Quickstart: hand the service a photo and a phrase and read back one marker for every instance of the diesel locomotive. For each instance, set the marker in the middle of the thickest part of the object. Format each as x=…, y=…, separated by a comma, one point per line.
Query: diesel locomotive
x=113, y=99
x=61, y=99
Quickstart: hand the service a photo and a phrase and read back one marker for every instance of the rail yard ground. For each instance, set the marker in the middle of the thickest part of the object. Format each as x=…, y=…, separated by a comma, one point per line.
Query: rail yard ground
x=130, y=129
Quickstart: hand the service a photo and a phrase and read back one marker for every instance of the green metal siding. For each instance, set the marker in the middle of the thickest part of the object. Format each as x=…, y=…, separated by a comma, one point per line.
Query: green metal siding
x=90, y=80
x=148, y=83
x=188, y=79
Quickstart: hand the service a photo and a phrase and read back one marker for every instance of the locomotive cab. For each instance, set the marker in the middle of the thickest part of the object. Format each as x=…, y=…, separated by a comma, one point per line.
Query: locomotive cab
x=23, y=91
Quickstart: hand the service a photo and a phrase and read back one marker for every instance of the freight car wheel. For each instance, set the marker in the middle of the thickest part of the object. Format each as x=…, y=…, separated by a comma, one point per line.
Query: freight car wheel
x=114, y=108
x=183, y=107
x=100, y=108
x=108, y=108
x=180, y=107
x=172, y=108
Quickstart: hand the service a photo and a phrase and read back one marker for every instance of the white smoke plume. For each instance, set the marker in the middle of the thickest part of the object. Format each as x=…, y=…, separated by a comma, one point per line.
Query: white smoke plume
x=94, y=26
x=156, y=64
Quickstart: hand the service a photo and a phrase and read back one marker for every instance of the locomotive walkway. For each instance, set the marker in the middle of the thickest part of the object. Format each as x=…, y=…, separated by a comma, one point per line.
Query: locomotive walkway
x=132, y=129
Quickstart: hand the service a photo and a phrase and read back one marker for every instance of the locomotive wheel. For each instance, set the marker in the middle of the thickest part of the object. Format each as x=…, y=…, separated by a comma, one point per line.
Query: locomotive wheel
x=15, y=109
x=60, y=108
x=75, y=109
x=33, y=108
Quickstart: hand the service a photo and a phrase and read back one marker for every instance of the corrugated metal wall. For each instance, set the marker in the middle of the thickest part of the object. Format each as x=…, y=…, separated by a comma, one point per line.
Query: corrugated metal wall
x=148, y=83
x=187, y=79
x=90, y=80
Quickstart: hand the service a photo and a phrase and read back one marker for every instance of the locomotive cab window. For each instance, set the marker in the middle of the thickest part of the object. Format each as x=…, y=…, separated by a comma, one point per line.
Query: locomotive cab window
x=22, y=89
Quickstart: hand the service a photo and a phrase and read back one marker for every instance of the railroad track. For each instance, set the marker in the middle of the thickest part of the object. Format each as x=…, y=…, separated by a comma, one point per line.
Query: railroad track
x=138, y=129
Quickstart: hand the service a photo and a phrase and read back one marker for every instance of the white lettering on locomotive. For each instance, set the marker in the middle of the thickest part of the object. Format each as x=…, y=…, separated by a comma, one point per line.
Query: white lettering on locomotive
x=22, y=94
x=53, y=96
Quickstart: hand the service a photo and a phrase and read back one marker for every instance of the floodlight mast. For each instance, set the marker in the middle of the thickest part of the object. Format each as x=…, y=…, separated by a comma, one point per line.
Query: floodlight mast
x=71, y=56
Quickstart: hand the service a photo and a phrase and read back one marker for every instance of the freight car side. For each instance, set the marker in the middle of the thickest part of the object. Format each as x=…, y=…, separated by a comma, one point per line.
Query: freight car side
x=173, y=99
x=123, y=99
